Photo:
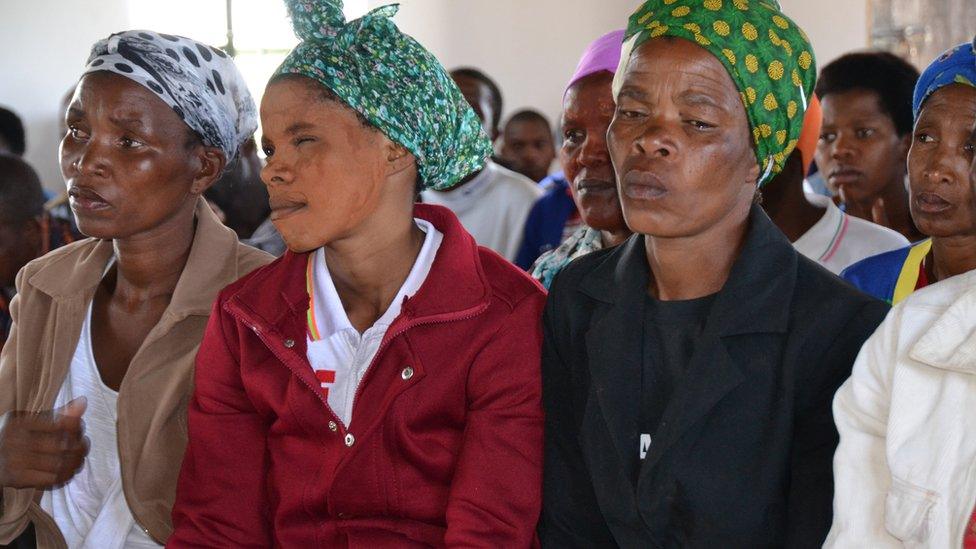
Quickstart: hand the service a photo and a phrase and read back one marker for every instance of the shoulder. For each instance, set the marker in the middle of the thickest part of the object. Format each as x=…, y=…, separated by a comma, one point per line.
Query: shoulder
x=819, y=289
x=65, y=256
x=250, y=258
x=266, y=272
x=877, y=268
x=512, y=182
x=509, y=284
x=882, y=238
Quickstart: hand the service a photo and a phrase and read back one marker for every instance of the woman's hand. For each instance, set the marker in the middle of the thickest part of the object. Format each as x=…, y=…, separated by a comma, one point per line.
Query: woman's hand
x=42, y=450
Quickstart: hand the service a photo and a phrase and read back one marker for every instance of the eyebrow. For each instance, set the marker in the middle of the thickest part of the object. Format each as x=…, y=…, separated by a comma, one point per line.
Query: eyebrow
x=298, y=127
x=128, y=123
x=698, y=98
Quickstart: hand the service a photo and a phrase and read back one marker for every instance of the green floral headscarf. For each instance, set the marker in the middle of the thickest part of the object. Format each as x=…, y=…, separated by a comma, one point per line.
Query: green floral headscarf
x=767, y=55
x=394, y=82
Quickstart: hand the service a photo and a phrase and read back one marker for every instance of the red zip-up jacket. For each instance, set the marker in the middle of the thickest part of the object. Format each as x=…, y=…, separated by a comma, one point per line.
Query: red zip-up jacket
x=445, y=443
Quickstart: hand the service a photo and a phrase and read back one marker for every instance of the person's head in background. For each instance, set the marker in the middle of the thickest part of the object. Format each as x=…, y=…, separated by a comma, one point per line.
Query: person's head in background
x=12, y=138
x=240, y=194
x=21, y=207
x=527, y=144
x=866, y=134
x=484, y=96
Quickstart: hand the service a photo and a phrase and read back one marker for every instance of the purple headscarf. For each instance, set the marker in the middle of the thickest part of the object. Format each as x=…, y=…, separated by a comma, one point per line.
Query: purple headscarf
x=602, y=55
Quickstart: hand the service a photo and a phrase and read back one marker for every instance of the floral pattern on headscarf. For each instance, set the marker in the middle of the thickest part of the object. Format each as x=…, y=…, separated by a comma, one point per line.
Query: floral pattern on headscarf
x=396, y=84
x=585, y=240
x=767, y=55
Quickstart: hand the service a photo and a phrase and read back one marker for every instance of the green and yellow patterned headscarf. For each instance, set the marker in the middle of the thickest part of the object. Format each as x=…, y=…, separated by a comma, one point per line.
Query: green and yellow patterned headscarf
x=394, y=82
x=767, y=55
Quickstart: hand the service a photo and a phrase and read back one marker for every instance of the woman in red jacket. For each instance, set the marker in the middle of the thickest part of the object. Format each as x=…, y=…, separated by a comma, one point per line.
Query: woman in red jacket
x=379, y=385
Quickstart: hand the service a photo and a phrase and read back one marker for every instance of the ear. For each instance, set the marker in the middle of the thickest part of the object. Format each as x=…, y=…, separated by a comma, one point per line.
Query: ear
x=32, y=233
x=398, y=158
x=905, y=143
x=211, y=162
x=754, y=172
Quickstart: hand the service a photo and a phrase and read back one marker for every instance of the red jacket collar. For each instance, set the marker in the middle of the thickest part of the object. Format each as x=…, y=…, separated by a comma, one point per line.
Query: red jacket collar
x=455, y=287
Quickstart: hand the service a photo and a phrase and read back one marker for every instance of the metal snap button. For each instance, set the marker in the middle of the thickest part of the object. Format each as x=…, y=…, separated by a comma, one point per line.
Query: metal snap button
x=350, y=440
x=332, y=426
x=407, y=373
x=289, y=343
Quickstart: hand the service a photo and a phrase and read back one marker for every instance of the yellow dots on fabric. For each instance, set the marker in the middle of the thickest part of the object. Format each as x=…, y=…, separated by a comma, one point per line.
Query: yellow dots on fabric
x=721, y=28
x=792, y=144
x=775, y=70
x=752, y=64
x=791, y=108
x=749, y=31
x=779, y=158
x=730, y=55
x=713, y=5
x=644, y=18
x=769, y=102
x=680, y=11
x=693, y=27
x=781, y=22
x=751, y=94
x=669, y=2
x=741, y=4
x=786, y=47
x=659, y=30
x=781, y=137
x=702, y=40
x=765, y=130
x=755, y=134
x=797, y=81
x=805, y=60
x=774, y=38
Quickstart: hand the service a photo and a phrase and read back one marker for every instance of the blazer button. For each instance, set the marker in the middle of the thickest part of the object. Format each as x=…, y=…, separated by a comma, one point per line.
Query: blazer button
x=289, y=343
x=407, y=373
x=350, y=440
x=333, y=426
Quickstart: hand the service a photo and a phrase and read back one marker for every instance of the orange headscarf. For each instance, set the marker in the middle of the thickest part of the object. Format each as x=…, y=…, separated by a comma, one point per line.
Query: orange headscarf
x=807, y=144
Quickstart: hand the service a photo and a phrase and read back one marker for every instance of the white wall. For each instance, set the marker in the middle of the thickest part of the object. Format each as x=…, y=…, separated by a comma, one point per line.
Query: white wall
x=529, y=46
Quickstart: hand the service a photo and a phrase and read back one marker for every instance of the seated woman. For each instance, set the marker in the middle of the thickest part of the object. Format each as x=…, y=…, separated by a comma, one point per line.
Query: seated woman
x=904, y=466
x=587, y=110
x=378, y=385
x=107, y=328
x=688, y=373
x=940, y=193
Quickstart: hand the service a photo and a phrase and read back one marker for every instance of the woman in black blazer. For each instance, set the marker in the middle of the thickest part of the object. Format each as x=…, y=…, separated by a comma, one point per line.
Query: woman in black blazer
x=688, y=373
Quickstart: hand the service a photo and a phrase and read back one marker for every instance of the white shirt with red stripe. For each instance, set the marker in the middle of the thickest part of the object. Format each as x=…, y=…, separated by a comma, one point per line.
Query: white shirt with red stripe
x=839, y=240
x=338, y=353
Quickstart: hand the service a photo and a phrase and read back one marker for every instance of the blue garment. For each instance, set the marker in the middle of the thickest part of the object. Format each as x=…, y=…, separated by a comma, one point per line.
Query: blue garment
x=890, y=276
x=546, y=221
x=956, y=66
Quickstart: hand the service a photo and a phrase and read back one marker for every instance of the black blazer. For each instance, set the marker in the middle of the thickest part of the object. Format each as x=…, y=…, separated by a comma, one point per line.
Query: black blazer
x=743, y=454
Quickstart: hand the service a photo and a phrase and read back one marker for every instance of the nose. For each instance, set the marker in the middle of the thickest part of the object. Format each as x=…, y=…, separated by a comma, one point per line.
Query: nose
x=843, y=147
x=656, y=140
x=275, y=173
x=594, y=152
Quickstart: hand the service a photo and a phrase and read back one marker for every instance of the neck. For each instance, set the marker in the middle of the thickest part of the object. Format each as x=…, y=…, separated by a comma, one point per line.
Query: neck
x=899, y=215
x=952, y=255
x=368, y=269
x=696, y=266
x=790, y=210
x=614, y=237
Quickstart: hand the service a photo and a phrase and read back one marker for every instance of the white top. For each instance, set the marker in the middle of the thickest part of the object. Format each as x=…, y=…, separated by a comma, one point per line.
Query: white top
x=839, y=240
x=341, y=355
x=90, y=509
x=492, y=207
x=905, y=468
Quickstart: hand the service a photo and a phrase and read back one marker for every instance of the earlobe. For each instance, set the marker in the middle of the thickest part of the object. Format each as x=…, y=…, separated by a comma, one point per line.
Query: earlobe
x=212, y=162
x=399, y=159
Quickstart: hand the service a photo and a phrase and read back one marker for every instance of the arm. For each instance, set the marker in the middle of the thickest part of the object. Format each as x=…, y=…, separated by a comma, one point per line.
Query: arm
x=861, y=470
x=814, y=434
x=221, y=498
x=496, y=490
x=531, y=239
x=570, y=514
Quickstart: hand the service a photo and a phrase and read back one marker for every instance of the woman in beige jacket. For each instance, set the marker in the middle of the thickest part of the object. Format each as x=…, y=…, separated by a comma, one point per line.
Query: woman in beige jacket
x=97, y=372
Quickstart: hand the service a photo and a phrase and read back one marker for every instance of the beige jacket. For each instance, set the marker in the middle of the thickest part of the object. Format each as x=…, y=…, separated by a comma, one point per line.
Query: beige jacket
x=53, y=293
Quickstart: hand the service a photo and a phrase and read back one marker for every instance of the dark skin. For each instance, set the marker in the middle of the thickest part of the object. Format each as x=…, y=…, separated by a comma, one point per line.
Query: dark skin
x=363, y=217
x=477, y=94
x=863, y=158
x=134, y=174
x=587, y=111
x=527, y=145
x=942, y=199
x=19, y=244
x=686, y=171
x=785, y=202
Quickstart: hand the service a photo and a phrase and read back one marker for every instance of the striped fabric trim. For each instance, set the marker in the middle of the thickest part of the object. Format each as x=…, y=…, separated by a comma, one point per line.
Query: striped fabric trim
x=837, y=239
x=908, y=279
x=313, y=328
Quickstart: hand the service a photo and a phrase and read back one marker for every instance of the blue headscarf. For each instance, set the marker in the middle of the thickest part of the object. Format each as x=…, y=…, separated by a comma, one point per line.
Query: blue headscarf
x=955, y=66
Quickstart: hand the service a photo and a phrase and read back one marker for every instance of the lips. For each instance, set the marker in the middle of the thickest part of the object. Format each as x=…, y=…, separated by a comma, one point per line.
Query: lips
x=845, y=176
x=83, y=199
x=931, y=203
x=638, y=185
x=282, y=208
x=595, y=186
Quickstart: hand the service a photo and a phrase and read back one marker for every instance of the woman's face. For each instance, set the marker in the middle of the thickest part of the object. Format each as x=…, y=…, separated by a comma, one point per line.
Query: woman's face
x=942, y=202
x=129, y=162
x=326, y=172
x=587, y=112
x=680, y=142
x=860, y=151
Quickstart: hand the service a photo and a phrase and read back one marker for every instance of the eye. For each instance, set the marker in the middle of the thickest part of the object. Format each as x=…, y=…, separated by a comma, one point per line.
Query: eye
x=626, y=113
x=699, y=125
x=969, y=147
x=302, y=140
x=828, y=137
x=129, y=143
x=864, y=133
x=924, y=138
x=268, y=150
x=574, y=136
x=77, y=133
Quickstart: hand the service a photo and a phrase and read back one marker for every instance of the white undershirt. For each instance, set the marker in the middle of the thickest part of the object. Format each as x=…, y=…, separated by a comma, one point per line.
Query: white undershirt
x=342, y=355
x=90, y=509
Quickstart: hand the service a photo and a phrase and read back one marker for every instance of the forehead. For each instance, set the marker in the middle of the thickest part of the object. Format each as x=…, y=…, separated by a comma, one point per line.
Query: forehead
x=679, y=65
x=105, y=93
x=951, y=103
x=592, y=93
x=530, y=126
x=857, y=103
x=472, y=87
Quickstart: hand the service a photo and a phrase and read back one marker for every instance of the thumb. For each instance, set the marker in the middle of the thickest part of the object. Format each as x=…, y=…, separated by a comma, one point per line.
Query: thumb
x=74, y=409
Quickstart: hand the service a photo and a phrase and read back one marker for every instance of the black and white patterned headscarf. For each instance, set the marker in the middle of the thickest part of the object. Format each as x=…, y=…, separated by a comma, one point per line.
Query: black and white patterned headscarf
x=200, y=82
